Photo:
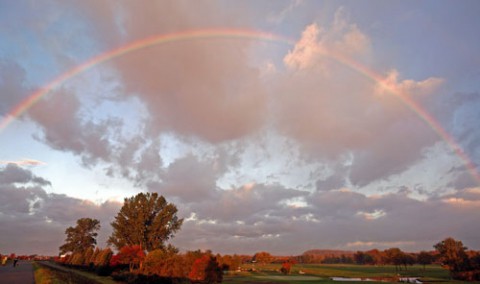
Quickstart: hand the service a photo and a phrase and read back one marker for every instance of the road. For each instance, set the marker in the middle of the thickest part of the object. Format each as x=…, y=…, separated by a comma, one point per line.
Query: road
x=21, y=274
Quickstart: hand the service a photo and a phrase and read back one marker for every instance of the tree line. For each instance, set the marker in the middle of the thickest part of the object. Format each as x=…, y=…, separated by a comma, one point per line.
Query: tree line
x=450, y=253
x=146, y=222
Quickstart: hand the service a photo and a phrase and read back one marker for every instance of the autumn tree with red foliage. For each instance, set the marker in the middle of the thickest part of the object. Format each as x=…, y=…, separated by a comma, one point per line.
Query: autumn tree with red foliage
x=114, y=261
x=206, y=269
x=287, y=266
x=131, y=255
x=452, y=254
x=263, y=257
x=166, y=263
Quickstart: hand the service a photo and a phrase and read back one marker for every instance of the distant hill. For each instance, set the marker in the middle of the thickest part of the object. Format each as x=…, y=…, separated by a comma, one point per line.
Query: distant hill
x=328, y=252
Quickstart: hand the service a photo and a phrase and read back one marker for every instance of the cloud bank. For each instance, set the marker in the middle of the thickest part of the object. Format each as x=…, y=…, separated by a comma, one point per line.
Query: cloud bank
x=311, y=153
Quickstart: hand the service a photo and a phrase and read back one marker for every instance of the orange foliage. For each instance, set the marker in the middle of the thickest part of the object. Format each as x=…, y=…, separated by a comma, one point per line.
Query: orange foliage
x=131, y=255
x=206, y=269
x=197, y=272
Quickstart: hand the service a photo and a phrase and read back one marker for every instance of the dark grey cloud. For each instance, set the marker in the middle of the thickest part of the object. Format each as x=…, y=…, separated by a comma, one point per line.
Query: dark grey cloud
x=64, y=130
x=12, y=173
x=187, y=179
x=336, y=180
x=253, y=218
x=34, y=221
x=340, y=219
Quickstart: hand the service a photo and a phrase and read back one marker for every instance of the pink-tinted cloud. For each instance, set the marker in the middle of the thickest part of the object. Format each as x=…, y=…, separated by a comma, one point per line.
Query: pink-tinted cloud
x=23, y=162
x=339, y=124
x=332, y=109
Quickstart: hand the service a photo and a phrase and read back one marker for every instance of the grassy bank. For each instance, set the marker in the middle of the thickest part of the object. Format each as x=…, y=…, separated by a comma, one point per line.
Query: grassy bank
x=44, y=275
x=57, y=274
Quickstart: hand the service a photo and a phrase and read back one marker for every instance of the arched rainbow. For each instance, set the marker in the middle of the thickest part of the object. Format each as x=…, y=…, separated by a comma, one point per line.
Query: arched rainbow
x=133, y=46
x=415, y=107
x=244, y=34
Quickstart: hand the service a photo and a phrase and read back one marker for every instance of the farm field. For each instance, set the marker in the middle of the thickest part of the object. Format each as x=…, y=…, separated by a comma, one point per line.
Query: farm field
x=323, y=273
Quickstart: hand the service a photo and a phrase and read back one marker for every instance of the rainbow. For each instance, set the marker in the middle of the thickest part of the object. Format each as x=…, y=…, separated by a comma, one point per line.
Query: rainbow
x=406, y=99
x=23, y=106
x=189, y=35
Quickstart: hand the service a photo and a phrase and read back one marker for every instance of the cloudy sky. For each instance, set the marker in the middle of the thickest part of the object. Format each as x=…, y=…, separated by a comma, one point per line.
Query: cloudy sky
x=272, y=125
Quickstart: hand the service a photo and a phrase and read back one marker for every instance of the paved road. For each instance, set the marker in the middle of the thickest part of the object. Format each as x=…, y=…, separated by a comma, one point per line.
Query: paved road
x=21, y=274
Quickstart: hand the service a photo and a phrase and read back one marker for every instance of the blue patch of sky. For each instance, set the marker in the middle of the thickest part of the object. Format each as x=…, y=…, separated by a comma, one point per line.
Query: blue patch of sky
x=46, y=50
x=259, y=162
x=62, y=169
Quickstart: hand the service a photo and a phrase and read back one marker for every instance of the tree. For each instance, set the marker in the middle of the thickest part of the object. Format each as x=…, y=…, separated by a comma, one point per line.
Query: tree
x=103, y=257
x=361, y=257
x=286, y=267
x=206, y=269
x=376, y=255
x=407, y=259
x=131, y=255
x=166, y=263
x=263, y=257
x=91, y=260
x=452, y=254
x=87, y=256
x=146, y=220
x=81, y=237
x=229, y=262
x=77, y=258
x=395, y=256
x=475, y=261
x=424, y=258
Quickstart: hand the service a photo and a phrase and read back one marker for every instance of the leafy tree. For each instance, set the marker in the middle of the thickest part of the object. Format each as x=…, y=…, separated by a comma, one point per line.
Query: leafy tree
x=102, y=262
x=146, y=220
x=81, y=237
x=286, y=267
x=91, y=260
x=363, y=258
x=395, y=256
x=452, y=254
x=87, y=256
x=166, y=263
x=77, y=258
x=229, y=262
x=263, y=257
x=131, y=255
x=424, y=258
x=213, y=271
x=103, y=257
x=376, y=255
x=206, y=269
x=407, y=259
x=475, y=261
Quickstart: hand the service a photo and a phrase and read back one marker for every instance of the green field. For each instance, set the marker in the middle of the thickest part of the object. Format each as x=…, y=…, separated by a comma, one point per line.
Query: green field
x=322, y=273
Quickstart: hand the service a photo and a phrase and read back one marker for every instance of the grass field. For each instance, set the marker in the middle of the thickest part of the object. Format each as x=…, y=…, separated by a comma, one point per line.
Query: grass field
x=322, y=273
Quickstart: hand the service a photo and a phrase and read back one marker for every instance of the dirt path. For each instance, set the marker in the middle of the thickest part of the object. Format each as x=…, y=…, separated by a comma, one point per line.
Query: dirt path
x=21, y=274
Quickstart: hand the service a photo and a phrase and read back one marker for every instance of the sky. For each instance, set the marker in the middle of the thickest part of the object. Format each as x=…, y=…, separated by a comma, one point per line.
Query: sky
x=277, y=126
